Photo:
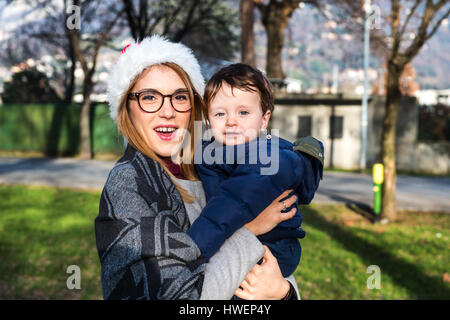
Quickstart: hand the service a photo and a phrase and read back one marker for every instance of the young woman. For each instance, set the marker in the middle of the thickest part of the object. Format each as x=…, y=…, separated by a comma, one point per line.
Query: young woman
x=153, y=194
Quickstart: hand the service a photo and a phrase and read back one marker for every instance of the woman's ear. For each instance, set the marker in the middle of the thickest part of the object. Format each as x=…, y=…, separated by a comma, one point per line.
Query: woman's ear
x=266, y=118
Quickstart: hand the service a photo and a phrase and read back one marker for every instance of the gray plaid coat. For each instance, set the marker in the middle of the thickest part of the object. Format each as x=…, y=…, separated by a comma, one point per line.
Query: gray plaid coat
x=141, y=237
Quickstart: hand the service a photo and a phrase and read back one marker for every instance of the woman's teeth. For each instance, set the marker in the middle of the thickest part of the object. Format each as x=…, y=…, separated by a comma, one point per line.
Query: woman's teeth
x=165, y=129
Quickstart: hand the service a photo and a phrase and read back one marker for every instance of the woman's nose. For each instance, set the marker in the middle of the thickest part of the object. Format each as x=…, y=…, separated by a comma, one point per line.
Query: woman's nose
x=167, y=111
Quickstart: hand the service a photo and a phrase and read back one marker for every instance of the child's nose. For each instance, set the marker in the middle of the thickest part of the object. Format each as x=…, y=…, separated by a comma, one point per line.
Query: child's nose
x=231, y=120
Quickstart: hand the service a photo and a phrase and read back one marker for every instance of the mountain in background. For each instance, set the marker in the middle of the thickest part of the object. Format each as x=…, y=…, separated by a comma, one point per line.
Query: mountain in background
x=315, y=46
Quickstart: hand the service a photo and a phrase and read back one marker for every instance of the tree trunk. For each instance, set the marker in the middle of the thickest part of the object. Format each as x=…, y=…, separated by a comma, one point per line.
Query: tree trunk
x=247, y=37
x=85, y=128
x=275, y=18
x=275, y=25
x=70, y=81
x=393, y=96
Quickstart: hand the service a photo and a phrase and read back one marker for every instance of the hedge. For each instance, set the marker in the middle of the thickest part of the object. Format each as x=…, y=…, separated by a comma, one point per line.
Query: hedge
x=54, y=129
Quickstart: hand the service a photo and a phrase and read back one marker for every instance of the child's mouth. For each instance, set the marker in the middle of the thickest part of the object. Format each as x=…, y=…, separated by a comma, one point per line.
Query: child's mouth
x=232, y=134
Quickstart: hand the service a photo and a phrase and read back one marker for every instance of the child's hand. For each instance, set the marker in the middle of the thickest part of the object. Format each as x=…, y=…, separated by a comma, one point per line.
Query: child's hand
x=272, y=215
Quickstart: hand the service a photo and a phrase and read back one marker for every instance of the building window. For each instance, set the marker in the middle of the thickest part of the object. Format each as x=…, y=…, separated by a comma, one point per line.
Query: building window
x=304, y=126
x=336, y=127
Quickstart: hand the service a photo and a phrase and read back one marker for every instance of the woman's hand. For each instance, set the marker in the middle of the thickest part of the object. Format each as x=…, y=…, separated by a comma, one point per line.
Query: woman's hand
x=265, y=281
x=272, y=215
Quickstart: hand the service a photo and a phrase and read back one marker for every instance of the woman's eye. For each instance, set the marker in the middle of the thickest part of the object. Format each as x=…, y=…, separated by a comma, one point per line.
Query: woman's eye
x=181, y=97
x=148, y=97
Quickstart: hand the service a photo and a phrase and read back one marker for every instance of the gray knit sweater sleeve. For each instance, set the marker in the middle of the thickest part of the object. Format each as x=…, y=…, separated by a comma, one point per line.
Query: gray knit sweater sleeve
x=229, y=266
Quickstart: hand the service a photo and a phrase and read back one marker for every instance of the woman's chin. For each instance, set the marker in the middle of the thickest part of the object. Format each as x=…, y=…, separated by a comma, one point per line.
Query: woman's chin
x=167, y=148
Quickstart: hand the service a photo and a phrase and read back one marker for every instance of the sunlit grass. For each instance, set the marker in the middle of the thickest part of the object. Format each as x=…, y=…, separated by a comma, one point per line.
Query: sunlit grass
x=412, y=253
x=45, y=230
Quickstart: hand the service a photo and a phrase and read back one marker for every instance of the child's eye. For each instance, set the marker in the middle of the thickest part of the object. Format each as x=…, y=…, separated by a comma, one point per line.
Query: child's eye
x=219, y=114
x=243, y=113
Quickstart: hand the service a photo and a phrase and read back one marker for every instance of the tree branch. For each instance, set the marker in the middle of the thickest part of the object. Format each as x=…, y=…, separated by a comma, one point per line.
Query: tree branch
x=131, y=16
x=103, y=37
x=187, y=23
x=411, y=13
x=422, y=36
x=436, y=27
x=395, y=22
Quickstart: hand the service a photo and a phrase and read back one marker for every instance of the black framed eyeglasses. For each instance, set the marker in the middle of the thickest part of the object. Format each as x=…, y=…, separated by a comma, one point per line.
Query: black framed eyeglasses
x=150, y=100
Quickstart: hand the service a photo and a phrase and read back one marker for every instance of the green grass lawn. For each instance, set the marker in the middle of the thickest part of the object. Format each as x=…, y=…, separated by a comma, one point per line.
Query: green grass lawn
x=412, y=254
x=42, y=232
x=45, y=230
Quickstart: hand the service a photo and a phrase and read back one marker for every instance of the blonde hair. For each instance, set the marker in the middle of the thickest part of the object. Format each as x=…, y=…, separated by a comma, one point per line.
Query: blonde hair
x=128, y=130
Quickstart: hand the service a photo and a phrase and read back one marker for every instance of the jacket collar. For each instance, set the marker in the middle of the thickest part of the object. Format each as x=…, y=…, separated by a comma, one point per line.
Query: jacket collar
x=227, y=157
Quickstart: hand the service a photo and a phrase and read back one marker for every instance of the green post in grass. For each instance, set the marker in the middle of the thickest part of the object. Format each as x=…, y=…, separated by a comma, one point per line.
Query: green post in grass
x=378, y=178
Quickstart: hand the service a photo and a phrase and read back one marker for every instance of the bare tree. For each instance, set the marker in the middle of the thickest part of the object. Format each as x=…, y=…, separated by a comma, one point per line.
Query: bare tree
x=411, y=27
x=247, y=36
x=207, y=26
x=275, y=17
x=96, y=23
x=48, y=36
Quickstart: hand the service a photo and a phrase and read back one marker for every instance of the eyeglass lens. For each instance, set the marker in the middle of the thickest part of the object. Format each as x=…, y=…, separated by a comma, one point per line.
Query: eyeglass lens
x=153, y=100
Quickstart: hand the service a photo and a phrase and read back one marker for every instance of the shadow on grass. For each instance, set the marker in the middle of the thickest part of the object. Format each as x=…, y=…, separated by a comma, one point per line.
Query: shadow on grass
x=363, y=210
x=401, y=272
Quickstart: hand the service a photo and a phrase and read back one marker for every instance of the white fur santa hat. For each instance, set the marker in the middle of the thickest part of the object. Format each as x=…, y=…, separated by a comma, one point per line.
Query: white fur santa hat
x=137, y=56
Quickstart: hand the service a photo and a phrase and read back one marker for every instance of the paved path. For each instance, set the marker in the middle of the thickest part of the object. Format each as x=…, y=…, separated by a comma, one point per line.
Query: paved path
x=63, y=172
x=417, y=193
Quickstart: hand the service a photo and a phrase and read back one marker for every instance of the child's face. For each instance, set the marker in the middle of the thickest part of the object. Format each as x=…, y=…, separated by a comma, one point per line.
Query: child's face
x=236, y=116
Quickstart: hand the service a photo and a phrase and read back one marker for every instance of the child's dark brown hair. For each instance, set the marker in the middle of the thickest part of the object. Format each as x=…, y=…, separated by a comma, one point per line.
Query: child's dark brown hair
x=243, y=77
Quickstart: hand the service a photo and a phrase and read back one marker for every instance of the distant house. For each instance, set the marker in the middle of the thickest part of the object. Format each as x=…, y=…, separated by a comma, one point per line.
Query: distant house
x=336, y=121
x=293, y=85
x=432, y=97
x=330, y=118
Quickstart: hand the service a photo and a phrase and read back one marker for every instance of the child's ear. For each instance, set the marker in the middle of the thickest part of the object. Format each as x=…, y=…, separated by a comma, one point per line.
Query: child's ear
x=266, y=118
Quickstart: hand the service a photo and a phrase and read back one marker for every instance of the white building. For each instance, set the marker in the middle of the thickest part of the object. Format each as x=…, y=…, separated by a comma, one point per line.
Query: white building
x=432, y=97
x=336, y=121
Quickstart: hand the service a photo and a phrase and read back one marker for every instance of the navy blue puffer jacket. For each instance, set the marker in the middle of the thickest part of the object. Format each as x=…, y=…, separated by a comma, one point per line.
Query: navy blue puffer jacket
x=241, y=181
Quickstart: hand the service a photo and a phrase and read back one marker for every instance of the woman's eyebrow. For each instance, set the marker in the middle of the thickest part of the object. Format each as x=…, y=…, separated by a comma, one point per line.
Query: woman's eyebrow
x=154, y=89
x=181, y=89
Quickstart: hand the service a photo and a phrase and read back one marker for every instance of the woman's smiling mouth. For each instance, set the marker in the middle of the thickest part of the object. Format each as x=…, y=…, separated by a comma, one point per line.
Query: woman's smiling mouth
x=166, y=133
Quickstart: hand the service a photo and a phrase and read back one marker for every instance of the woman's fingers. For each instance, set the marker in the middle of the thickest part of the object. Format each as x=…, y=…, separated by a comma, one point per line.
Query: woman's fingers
x=246, y=286
x=268, y=256
x=251, y=277
x=283, y=195
x=283, y=216
x=243, y=294
x=246, y=290
x=256, y=270
x=290, y=201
